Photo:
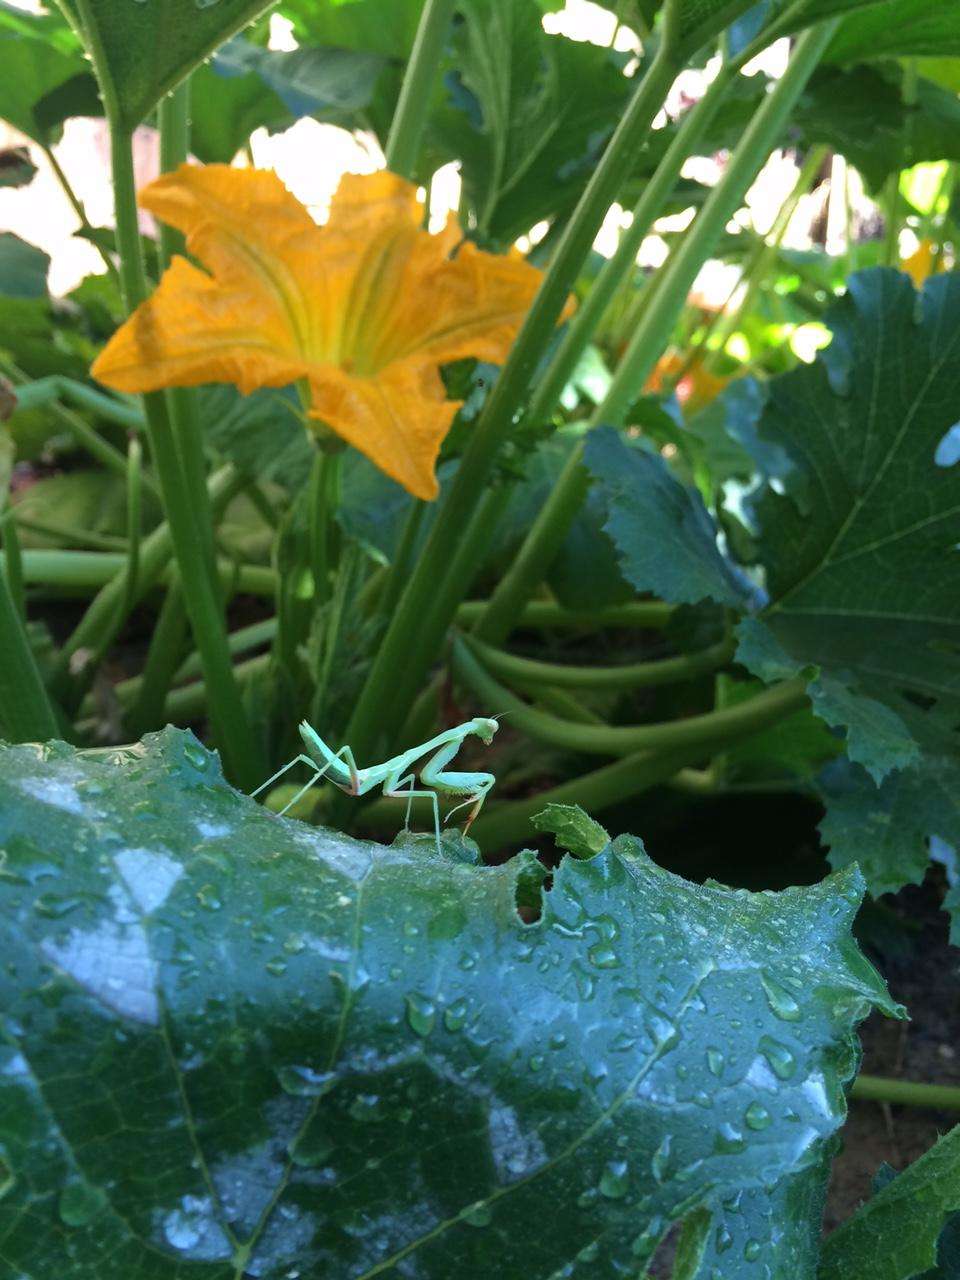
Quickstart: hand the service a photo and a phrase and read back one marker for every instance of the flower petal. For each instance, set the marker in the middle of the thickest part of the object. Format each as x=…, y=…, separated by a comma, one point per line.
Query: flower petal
x=477, y=303
x=193, y=330
x=398, y=418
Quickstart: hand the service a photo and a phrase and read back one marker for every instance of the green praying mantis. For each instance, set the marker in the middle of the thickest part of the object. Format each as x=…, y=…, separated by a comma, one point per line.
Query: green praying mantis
x=397, y=775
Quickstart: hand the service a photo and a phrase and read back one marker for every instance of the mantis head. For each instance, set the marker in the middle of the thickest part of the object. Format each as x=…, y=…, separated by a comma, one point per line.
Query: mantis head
x=484, y=728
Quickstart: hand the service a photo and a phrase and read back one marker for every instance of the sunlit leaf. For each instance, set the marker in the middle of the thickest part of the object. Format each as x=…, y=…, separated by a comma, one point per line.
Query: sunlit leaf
x=235, y=1044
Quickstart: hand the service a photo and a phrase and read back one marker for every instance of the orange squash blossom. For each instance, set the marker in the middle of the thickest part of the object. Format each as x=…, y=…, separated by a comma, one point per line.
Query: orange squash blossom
x=364, y=309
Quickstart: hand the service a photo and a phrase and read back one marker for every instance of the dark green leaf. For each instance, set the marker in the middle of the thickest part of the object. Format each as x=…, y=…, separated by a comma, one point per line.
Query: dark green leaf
x=885, y=829
x=261, y=434
x=665, y=536
x=143, y=50
x=45, y=78
x=876, y=130
x=876, y=736
x=894, y=1236
x=527, y=114
x=16, y=167
x=585, y=573
x=859, y=538
x=330, y=84
x=772, y=1234
x=572, y=829
x=366, y=26
x=226, y=108
x=897, y=29
x=237, y=1045
x=23, y=268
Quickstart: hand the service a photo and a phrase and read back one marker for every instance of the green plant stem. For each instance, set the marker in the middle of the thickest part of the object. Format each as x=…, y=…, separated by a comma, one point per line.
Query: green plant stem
x=399, y=571
x=702, y=733
x=173, y=119
x=69, y=535
x=563, y=704
x=129, y=692
x=102, y=619
x=76, y=204
x=13, y=561
x=416, y=92
x=79, y=570
x=163, y=657
x=26, y=711
x=413, y=637
x=324, y=498
x=529, y=673
x=670, y=292
x=134, y=525
x=907, y=1093
x=55, y=386
x=547, y=614
x=190, y=524
x=621, y=265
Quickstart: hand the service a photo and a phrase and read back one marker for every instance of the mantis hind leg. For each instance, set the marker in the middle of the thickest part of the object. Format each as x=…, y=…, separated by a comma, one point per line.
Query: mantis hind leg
x=343, y=754
x=393, y=787
x=280, y=772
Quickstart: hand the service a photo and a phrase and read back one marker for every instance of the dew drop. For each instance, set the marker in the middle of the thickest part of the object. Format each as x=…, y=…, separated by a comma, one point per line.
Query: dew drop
x=294, y=944
x=421, y=1014
x=614, y=1180
x=54, y=906
x=80, y=1203
x=312, y=1150
x=276, y=967
x=948, y=450
x=723, y=1240
x=193, y=752
x=455, y=1015
x=715, y=1061
x=660, y=1160
x=781, y=1060
x=603, y=956
x=752, y=1250
x=478, y=1215
x=728, y=1141
x=781, y=1002
x=304, y=1082
x=757, y=1117
x=558, y=1040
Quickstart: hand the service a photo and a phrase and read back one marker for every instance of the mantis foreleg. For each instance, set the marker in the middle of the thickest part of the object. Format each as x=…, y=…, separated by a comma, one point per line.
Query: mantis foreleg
x=474, y=786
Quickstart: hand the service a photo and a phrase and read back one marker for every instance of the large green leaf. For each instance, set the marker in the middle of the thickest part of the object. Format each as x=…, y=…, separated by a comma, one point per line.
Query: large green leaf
x=665, y=537
x=367, y=26
x=142, y=50
x=859, y=542
x=897, y=29
x=769, y=1234
x=23, y=268
x=527, y=114
x=45, y=78
x=237, y=1046
x=876, y=130
x=894, y=1236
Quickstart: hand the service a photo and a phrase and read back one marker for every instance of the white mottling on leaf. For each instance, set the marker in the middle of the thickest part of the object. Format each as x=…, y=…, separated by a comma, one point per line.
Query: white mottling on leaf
x=148, y=875
x=113, y=963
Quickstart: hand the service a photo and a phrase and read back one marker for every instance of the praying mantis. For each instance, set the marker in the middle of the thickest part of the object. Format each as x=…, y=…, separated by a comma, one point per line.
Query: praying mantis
x=393, y=775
